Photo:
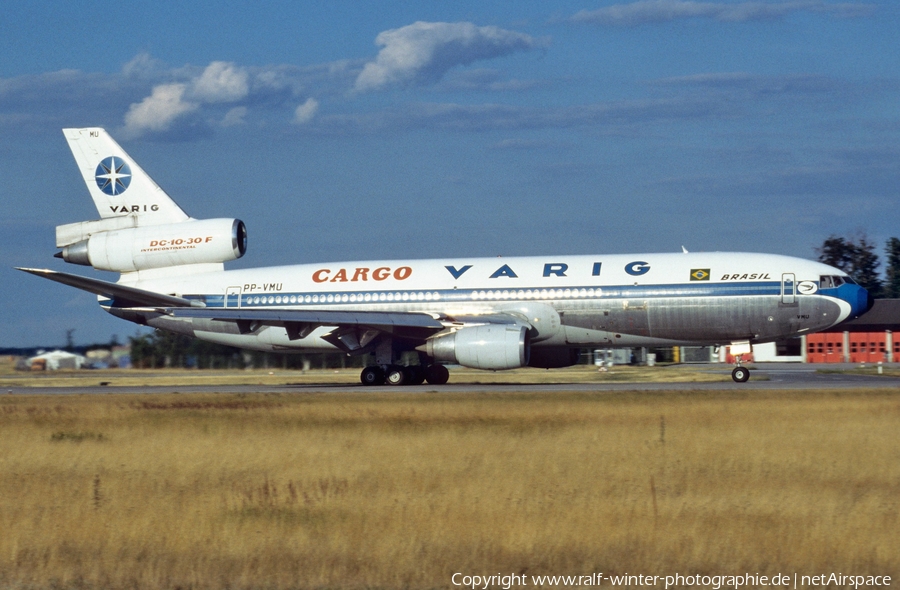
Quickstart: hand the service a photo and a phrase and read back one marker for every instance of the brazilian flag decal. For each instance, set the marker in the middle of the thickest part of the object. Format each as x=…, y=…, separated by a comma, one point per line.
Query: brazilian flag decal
x=700, y=274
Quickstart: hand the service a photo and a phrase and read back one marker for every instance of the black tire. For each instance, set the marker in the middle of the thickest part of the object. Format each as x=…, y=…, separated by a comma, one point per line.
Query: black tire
x=396, y=375
x=372, y=376
x=416, y=374
x=437, y=375
x=740, y=374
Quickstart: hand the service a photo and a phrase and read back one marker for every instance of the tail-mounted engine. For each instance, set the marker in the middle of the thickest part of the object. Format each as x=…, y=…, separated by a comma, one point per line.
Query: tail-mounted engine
x=129, y=249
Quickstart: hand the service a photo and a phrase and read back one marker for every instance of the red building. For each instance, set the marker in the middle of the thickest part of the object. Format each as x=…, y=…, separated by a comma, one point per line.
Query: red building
x=871, y=338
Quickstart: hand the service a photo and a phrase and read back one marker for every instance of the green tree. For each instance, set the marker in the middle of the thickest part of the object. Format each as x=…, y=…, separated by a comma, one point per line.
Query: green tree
x=837, y=252
x=892, y=274
x=142, y=354
x=166, y=349
x=856, y=257
x=865, y=267
x=171, y=347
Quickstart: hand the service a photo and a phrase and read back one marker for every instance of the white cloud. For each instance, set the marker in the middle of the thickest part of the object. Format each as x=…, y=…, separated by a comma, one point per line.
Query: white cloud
x=221, y=82
x=157, y=111
x=657, y=11
x=142, y=65
x=425, y=51
x=480, y=80
x=306, y=111
x=234, y=117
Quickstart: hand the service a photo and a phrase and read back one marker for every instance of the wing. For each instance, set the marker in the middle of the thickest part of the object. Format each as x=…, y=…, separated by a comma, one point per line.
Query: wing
x=354, y=332
x=280, y=317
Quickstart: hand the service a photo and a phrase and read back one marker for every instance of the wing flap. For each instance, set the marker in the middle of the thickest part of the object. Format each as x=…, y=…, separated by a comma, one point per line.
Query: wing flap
x=355, y=332
x=380, y=320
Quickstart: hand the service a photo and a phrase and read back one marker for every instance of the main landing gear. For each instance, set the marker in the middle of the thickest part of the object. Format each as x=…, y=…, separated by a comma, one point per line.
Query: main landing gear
x=399, y=375
x=387, y=370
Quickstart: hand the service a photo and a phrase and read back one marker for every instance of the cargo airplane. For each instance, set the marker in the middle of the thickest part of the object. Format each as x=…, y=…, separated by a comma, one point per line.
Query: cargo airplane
x=416, y=316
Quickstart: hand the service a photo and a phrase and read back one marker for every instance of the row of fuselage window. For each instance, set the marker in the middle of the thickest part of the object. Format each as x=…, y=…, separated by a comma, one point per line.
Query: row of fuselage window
x=417, y=296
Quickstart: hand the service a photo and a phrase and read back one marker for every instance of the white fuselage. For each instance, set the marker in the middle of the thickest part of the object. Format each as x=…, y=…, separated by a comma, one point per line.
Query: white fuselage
x=614, y=300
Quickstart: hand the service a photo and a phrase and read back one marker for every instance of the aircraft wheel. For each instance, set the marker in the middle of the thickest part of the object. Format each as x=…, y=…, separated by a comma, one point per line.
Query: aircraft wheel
x=437, y=374
x=396, y=375
x=740, y=374
x=372, y=376
x=416, y=374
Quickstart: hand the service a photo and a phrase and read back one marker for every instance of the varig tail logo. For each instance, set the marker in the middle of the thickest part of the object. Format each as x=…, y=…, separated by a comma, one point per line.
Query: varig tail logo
x=113, y=176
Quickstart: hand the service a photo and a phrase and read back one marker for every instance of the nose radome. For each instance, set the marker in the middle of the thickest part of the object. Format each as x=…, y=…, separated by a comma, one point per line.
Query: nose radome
x=869, y=301
x=862, y=302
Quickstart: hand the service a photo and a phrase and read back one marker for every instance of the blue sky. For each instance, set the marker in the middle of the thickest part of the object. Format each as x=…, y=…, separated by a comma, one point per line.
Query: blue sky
x=353, y=130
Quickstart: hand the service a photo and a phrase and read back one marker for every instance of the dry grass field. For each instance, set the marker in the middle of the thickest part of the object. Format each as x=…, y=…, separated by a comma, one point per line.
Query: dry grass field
x=400, y=490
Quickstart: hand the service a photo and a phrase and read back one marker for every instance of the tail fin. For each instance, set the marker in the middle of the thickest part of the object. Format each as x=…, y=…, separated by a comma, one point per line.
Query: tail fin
x=140, y=227
x=118, y=186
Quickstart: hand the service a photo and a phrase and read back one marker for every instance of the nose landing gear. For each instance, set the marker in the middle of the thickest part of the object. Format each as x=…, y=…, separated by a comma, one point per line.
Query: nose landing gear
x=740, y=374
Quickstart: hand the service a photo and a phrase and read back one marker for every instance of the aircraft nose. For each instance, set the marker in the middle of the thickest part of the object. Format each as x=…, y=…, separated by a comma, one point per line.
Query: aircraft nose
x=861, y=301
x=870, y=301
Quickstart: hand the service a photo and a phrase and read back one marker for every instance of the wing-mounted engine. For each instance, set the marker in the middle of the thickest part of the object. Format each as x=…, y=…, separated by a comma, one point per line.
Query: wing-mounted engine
x=488, y=346
x=105, y=245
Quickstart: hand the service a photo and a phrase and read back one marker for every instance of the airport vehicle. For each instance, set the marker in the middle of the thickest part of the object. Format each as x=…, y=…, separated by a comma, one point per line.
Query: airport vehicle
x=415, y=316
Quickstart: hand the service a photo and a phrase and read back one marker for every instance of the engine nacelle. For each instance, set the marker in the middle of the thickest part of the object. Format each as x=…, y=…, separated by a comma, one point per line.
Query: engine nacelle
x=158, y=246
x=490, y=346
x=553, y=357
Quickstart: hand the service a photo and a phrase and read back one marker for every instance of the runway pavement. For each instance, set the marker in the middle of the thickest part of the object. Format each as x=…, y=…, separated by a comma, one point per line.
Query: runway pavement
x=763, y=376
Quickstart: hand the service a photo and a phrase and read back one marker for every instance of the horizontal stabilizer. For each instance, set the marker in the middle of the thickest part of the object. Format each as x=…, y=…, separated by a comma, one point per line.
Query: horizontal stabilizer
x=121, y=295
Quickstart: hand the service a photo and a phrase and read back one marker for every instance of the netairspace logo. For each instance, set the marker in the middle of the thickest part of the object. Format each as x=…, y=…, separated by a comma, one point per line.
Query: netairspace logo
x=714, y=582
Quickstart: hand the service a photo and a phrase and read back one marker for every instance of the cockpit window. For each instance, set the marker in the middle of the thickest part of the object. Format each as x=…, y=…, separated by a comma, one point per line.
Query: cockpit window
x=832, y=281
